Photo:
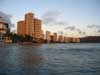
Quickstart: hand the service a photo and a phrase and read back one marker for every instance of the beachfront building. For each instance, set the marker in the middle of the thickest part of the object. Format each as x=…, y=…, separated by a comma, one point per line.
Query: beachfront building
x=30, y=26
x=4, y=29
x=48, y=37
x=21, y=28
x=37, y=29
x=55, y=39
x=60, y=39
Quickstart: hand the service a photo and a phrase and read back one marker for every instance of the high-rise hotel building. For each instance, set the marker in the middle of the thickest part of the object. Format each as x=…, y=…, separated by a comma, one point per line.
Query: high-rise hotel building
x=37, y=29
x=21, y=28
x=30, y=26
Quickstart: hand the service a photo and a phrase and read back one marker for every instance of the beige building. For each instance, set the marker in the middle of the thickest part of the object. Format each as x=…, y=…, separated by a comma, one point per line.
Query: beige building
x=60, y=39
x=21, y=28
x=4, y=28
x=29, y=24
x=37, y=29
x=76, y=40
x=55, y=37
x=68, y=39
x=48, y=36
x=71, y=40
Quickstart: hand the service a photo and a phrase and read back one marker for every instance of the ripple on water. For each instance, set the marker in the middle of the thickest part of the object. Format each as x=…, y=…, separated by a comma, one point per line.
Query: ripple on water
x=50, y=59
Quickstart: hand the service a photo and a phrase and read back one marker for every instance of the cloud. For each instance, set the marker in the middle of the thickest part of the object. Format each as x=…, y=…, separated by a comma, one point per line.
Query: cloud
x=53, y=18
x=73, y=28
x=14, y=31
x=70, y=28
x=80, y=32
x=99, y=31
x=61, y=32
x=93, y=26
x=6, y=18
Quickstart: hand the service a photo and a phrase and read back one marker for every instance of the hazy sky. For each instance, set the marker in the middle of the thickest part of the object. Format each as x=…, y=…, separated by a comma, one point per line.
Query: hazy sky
x=67, y=17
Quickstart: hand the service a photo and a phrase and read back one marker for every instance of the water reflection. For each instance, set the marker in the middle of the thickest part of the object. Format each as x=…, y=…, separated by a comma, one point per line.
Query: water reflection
x=52, y=59
x=21, y=59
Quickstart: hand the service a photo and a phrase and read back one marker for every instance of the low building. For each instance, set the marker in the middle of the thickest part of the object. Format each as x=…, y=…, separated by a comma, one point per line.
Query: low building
x=4, y=29
x=7, y=40
x=68, y=40
x=76, y=40
x=60, y=39
x=55, y=37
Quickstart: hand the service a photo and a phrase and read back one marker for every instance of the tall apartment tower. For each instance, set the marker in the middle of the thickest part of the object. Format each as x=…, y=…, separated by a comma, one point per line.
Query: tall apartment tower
x=29, y=24
x=21, y=28
x=55, y=37
x=37, y=29
x=48, y=36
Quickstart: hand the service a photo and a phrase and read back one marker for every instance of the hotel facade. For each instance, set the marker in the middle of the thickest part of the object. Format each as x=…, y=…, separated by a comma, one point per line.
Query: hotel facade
x=30, y=26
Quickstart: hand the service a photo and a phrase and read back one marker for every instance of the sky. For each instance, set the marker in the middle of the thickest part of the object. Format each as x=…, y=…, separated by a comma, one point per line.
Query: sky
x=75, y=18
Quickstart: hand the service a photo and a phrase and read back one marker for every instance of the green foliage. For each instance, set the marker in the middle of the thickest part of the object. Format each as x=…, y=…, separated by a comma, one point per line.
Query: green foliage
x=19, y=38
x=28, y=38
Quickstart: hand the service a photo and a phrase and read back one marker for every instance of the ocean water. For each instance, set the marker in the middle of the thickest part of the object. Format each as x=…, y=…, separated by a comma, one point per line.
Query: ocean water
x=50, y=59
